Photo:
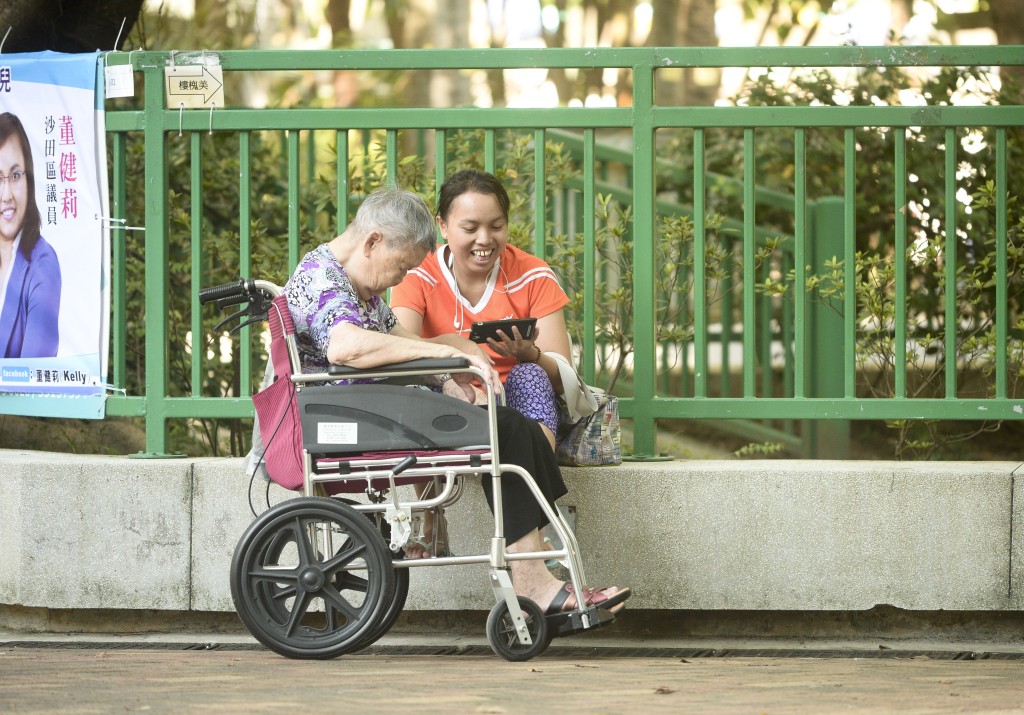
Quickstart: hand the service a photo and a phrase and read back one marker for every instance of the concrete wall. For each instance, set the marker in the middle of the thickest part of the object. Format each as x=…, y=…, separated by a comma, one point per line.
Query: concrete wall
x=86, y=532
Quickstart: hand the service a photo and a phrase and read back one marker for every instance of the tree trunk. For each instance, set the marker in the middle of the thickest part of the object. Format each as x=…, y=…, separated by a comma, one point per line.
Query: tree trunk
x=665, y=33
x=80, y=26
x=346, y=86
x=450, y=88
x=698, y=29
x=1006, y=21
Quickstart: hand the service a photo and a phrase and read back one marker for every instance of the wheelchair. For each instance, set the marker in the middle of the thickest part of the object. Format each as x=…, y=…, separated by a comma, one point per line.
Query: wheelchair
x=323, y=574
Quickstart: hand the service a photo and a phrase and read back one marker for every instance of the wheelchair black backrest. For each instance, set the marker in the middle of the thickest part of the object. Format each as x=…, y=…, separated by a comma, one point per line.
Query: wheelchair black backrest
x=349, y=419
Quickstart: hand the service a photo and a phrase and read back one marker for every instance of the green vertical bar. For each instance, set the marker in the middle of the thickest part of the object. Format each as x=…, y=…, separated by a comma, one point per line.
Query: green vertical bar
x=786, y=335
x=749, y=271
x=1002, y=301
x=156, y=259
x=700, y=317
x=196, y=239
x=800, y=265
x=293, y=200
x=830, y=437
x=900, y=251
x=725, y=339
x=589, y=346
x=490, y=151
x=644, y=424
x=119, y=271
x=440, y=163
x=311, y=173
x=850, y=263
x=391, y=156
x=539, y=193
x=786, y=330
x=763, y=319
x=245, y=253
x=950, y=264
x=342, y=187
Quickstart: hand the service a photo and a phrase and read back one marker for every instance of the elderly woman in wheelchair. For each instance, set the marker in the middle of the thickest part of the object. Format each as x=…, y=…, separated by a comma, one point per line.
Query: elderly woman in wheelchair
x=345, y=331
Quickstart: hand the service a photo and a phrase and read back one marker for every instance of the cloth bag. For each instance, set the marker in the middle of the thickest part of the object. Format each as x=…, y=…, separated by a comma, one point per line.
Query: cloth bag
x=590, y=434
x=277, y=435
x=595, y=438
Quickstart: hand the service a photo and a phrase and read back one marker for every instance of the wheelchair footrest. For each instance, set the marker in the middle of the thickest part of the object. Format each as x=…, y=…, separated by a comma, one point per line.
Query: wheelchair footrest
x=569, y=624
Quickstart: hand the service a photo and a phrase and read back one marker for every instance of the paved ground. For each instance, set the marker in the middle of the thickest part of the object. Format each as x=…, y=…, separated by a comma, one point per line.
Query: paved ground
x=82, y=676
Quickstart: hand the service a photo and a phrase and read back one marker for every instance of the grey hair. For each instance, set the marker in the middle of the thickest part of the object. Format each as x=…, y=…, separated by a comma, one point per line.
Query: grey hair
x=402, y=216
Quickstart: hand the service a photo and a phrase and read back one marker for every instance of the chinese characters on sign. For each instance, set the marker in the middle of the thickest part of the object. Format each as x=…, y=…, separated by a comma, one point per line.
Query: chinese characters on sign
x=195, y=86
x=61, y=169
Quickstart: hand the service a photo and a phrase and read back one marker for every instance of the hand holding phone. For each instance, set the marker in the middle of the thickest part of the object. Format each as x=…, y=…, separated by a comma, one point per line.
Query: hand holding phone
x=483, y=330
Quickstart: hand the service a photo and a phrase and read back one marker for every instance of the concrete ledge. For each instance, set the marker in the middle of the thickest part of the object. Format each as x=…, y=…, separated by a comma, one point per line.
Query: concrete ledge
x=87, y=532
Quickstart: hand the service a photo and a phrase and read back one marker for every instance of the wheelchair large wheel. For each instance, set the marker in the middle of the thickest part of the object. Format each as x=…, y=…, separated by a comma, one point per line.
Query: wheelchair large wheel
x=395, y=603
x=311, y=578
x=501, y=632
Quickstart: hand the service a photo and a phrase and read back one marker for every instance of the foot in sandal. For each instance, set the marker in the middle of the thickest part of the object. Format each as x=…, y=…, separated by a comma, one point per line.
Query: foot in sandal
x=425, y=544
x=610, y=598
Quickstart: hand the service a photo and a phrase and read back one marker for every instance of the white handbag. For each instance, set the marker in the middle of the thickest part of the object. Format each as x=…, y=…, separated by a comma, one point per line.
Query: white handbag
x=580, y=400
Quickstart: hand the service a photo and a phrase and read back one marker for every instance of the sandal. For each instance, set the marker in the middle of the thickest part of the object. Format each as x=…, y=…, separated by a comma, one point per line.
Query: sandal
x=428, y=545
x=591, y=597
x=435, y=546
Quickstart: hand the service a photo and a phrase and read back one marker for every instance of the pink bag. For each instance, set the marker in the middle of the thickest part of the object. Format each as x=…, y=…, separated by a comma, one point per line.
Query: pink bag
x=277, y=408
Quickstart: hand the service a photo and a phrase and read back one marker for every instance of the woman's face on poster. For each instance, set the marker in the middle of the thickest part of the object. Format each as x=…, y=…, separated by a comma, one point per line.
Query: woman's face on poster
x=13, y=188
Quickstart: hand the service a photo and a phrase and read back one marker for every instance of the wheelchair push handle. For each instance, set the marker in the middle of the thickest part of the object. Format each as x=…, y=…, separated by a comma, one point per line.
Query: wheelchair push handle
x=240, y=289
x=256, y=293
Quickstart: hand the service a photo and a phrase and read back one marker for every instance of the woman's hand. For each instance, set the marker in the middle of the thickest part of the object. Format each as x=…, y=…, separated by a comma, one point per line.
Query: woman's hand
x=458, y=390
x=462, y=387
x=482, y=364
x=516, y=346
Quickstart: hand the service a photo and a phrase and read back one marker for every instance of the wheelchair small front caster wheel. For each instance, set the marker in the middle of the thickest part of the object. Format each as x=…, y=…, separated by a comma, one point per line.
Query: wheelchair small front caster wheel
x=502, y=636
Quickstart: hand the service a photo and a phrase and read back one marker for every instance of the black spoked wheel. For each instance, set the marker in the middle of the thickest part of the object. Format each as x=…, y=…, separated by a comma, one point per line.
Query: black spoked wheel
x=311, y=578
x=395, y=604
x=501, y=632
x=396, y=599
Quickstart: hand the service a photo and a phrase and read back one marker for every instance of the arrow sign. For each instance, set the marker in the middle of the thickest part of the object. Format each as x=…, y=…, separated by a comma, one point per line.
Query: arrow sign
x=194, y=86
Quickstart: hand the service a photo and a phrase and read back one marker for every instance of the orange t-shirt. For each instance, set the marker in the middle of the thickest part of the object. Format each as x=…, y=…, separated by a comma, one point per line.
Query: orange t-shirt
x=520, y=286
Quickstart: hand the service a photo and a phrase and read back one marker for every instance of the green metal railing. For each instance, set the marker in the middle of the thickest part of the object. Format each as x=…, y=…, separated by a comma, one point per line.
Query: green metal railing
x=819, y=377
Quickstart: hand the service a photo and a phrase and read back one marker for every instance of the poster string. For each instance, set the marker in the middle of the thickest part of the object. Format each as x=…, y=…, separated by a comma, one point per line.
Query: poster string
x=117, y=42
x=117, y=224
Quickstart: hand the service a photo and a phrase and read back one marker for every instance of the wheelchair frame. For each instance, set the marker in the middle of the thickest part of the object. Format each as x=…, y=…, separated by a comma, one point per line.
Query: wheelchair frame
x=320, y=576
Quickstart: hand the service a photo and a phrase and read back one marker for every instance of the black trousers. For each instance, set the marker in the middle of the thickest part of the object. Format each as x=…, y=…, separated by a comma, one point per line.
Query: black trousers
x=522, y=442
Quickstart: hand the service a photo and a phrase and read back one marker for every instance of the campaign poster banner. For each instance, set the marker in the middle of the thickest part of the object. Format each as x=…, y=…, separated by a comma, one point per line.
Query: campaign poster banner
x=54, y=240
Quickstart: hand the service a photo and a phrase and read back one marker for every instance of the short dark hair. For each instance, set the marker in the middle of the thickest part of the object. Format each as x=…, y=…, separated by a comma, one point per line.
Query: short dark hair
x=11, y=126
x=470, y=181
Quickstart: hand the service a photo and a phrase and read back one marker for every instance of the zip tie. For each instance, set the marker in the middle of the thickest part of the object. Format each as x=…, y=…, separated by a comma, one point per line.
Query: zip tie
x=111, y=221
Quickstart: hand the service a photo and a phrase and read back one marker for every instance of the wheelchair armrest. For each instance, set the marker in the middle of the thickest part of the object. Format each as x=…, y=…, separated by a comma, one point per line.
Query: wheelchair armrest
x=423, y=366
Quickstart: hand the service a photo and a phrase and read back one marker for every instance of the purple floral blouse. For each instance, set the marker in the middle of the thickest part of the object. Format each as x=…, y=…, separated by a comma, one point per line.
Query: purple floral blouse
x=321, y=296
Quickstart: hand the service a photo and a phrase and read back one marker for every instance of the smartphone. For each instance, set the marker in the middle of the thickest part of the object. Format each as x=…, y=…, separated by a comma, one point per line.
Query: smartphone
x=489, y=329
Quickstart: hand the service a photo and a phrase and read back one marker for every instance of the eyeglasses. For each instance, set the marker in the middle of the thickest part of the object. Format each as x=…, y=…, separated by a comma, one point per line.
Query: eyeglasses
x=15, y=177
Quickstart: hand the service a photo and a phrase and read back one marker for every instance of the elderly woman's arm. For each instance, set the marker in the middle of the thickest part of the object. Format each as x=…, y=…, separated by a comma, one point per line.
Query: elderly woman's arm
x=361, y=348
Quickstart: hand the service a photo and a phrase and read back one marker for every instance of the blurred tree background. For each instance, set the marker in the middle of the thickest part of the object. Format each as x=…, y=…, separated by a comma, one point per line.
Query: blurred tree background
x=383, y=24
